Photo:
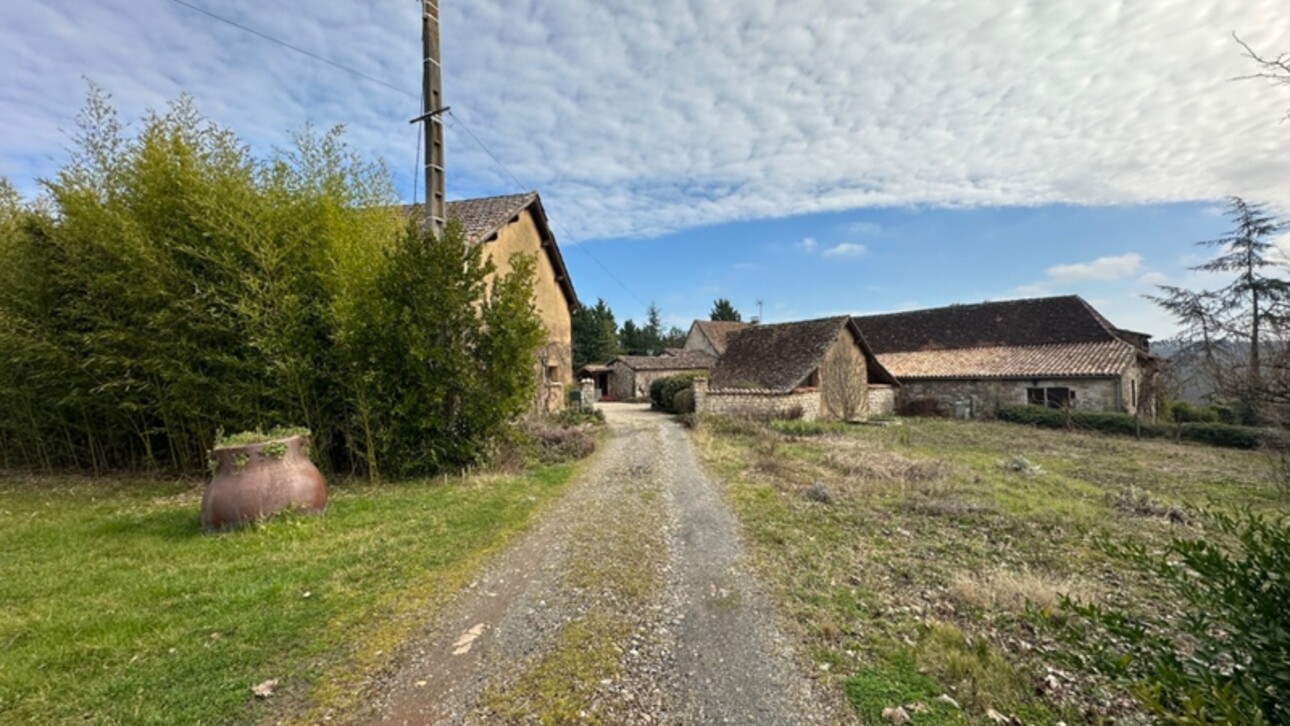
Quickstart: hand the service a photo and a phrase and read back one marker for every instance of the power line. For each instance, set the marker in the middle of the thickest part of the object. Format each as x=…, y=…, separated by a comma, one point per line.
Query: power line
x=524, y=187
x=457, y=121
x=296, y=48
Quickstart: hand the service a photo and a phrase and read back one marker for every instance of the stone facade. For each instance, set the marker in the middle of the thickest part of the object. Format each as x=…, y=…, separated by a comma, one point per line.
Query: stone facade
x=882, y=400
x=801, y=404
x=983, y=396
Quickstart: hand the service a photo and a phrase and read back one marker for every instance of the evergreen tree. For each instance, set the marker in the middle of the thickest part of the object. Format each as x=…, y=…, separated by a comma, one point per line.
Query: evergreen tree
x=1229, y=329
x=723, y=310
x=595, y=334
x=631, y=339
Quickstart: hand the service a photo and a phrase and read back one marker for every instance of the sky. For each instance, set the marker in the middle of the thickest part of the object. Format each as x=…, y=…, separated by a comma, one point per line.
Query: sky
x=820, y=156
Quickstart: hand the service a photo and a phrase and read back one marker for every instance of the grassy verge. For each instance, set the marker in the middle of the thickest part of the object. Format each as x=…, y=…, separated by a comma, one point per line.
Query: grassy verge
x=908, y=555
x=116, y=608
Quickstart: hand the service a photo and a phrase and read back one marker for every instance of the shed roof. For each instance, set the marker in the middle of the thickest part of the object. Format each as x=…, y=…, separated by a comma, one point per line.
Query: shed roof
x=1029, y=322
x=780, y=356
x=689, y=360
x=718, y=332
x=1108, y=358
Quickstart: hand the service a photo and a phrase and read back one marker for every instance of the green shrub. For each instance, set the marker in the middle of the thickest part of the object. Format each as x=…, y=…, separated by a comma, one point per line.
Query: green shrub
x=1184, y=412
x=1232, y=661
x=662, y=391
x=683, y=401
x=1220, y=434
x=809, y=428
x=173, y=284
x=1214, y=434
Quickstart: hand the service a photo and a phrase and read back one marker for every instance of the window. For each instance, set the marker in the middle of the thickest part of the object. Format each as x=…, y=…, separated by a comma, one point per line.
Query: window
x=1052, y=397
x=552, y=374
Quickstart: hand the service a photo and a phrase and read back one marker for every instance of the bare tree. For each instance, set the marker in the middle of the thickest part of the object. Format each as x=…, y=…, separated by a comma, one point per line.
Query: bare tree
x=1275, y=71
x=843, y=383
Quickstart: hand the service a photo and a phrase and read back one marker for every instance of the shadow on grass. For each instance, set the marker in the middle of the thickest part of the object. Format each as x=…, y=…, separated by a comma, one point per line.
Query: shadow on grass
x=173, y=525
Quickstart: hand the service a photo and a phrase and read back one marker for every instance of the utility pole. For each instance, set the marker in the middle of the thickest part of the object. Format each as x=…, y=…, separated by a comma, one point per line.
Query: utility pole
x=432, y=107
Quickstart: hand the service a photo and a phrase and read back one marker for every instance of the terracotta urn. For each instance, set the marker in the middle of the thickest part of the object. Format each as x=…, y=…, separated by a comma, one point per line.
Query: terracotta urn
x=255, y=481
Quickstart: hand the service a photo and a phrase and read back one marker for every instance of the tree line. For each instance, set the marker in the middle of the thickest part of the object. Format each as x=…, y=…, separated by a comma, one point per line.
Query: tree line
x=168, y=284
x=597, y=337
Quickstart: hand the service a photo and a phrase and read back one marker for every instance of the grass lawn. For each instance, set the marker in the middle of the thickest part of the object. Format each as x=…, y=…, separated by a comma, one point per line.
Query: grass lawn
x=910, y=585
x=115, y=608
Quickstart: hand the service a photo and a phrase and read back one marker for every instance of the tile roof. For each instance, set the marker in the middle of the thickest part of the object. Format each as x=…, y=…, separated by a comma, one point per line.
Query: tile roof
x=689, y=360
x=1057, y=360
x=718, y=332
x=484, y=217
x=1038, y=321
x=779, y=357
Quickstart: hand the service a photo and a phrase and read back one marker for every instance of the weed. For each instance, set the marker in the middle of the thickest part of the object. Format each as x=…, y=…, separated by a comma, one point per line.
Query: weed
x=1020, y=465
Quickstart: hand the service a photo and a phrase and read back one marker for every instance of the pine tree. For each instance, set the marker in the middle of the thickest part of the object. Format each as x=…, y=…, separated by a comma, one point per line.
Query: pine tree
x=1229, y=329
x=724, y=311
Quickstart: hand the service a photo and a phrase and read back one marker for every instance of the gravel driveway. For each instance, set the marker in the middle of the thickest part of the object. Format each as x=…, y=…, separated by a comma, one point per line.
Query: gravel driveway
x=643, y=560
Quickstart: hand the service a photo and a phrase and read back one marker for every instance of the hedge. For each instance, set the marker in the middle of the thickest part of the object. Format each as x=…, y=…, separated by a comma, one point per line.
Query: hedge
x=662, y=392
x=1214, y=434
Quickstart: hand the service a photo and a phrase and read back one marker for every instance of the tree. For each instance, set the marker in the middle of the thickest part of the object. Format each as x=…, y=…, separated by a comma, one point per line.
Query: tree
x=723, y=310
x=631, y=339
x=595, y=334
x=1273, y=70
x=1230, y=330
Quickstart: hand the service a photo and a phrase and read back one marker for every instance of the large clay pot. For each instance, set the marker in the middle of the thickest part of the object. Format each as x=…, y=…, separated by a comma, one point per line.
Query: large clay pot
x=255, y=481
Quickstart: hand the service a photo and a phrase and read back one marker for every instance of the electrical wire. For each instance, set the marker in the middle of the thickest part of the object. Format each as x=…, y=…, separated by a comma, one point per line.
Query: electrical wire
x=524, y=188
x=295, y=48
x=456, y=122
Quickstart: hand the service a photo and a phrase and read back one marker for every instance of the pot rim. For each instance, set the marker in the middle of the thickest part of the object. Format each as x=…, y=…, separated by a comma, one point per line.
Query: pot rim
x=259, y=444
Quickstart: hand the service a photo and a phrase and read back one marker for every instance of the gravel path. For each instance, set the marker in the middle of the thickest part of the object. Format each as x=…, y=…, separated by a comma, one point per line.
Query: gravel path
x=643, y=547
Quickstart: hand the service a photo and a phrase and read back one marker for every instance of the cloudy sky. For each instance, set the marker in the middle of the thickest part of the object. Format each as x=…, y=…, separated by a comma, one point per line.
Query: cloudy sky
x=819, y=155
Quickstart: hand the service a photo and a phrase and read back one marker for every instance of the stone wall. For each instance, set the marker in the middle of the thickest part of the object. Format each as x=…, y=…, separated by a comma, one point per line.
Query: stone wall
x=756, y=404
x=882, y=399
x=983, y=396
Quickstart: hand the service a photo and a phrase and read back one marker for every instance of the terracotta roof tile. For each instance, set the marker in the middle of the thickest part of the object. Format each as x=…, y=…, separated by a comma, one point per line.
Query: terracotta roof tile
x=1059, y=360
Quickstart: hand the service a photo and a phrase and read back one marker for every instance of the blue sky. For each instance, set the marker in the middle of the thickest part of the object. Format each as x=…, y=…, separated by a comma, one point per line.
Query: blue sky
x=933, y=152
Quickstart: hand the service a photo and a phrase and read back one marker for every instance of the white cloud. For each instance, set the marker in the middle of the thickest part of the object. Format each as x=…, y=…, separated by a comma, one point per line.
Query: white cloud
x=635, y=119
x=744, y=266
x=1152, y=279
x=1037, y=289
x=1103, y=268
x=846, y=249
x=865, y=229
x=809, y=244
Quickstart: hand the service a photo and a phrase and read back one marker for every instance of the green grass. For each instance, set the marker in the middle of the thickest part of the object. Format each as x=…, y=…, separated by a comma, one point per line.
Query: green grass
x=117, y=609
x=897, y=584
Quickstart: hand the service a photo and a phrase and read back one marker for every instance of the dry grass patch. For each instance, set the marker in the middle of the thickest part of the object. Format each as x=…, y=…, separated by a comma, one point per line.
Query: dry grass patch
x=1011, y=590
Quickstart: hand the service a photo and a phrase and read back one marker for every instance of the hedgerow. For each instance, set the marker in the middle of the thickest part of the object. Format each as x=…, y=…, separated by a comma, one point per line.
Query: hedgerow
x=1214, y=434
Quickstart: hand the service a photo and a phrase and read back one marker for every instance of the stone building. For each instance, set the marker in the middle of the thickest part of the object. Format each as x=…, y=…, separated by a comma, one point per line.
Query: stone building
x=1056, y=351
x=517, y=224
x=630, y=376
x=711, y=336
x=814, y=369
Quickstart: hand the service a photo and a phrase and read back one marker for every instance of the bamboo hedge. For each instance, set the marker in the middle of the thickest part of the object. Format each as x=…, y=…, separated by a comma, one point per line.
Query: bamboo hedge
x=169, y=285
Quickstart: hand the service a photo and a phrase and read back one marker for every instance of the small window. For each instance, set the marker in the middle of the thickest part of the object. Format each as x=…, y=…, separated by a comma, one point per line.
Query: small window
x=552, y=374
x=1054, y=397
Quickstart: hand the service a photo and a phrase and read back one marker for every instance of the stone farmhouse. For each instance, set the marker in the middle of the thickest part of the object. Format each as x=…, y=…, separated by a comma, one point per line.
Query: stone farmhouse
x=814, y=369
x=630, y=376
x=517, y=224
x=711, y=336
x=1055, y=351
